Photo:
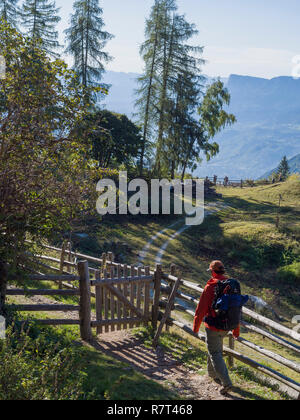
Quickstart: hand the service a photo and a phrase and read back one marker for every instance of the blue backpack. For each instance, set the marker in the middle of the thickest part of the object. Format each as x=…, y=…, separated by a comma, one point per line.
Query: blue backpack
x=227, y=304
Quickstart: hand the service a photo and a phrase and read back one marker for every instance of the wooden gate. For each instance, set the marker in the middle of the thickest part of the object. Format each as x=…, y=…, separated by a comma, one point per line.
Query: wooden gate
x=124, y=297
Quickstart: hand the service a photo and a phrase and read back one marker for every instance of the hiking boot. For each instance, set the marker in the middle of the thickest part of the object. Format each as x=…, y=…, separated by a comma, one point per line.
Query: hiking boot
x=225, y=390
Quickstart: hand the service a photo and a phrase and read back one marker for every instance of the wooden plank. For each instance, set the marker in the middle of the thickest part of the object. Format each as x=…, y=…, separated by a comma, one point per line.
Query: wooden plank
x=69, y=261
x=115, y=322
x=112, y=298
x=132, y=292
x=61, y=263
x=85, y=301
x=123, y=280
x=140, y=286
x=42, y=292
x=167, y=312
x=56, y=321
x=280, y=359
x=54, y=277
x=231, y=346
x=45, y=308
x=263, y=320
x=147, y=297
x=56, y=260
x=125, y=293
x=119, y=307
x=272, y=324
x=99, y=301
x=157, y=284
x=272, y=337
x=244, y=359
x=105, y=298
x=127, y=303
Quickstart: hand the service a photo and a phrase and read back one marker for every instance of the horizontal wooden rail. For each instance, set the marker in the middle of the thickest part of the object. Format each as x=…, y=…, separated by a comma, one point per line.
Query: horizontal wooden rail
x=259, y=318
x=45, y=308
x=272, y=337
x=42, y=292
x=272, y=324
x=120, y=280
x=280, y=359
x=56, y=321
x=244, y=359
x=108, y=322
x=179, y=294
x=54, y=277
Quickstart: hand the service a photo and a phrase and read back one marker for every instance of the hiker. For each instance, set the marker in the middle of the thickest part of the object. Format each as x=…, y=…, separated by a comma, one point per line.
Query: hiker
x=217, y=327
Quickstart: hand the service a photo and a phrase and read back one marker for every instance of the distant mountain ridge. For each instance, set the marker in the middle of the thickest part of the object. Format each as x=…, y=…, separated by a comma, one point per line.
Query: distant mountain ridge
x=294, y=165
x=267, y=128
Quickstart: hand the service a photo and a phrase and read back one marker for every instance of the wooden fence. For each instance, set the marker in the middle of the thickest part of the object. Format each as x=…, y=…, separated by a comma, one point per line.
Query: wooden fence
x=128, y=296
x=226, y=182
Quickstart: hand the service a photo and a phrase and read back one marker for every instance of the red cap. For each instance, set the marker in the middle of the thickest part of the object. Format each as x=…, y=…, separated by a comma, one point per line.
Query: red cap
x=216, y=266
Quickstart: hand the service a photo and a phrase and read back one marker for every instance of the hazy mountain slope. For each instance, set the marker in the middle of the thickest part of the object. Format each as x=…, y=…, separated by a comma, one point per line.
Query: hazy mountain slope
x=268, y=123
x=268, y=127
x=294, y=165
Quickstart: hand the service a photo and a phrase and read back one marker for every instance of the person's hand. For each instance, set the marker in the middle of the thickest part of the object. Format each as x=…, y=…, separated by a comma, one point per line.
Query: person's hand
x=236, y=334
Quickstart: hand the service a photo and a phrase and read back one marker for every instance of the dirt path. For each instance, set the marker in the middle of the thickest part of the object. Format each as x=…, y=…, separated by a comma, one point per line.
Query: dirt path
x=211, y=209
x=154, y=364
x=159, y=366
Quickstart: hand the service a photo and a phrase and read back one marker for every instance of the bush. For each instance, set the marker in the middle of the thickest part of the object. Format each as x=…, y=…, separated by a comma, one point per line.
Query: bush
x=38, y=368
x=290, y=273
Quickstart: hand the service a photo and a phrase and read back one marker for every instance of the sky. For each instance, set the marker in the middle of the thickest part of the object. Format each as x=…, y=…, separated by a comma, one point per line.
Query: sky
x=247, y=37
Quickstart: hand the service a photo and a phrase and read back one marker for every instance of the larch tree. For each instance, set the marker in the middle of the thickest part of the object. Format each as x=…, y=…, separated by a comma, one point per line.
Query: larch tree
x=212, y=119
x=181, y=65
x=149, y=86
x=39, y=18
x=86, y=40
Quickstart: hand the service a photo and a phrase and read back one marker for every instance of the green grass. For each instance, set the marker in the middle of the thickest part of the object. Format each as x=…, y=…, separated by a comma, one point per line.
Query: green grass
x=56, y=354
x=264, y=257
x=193, y=354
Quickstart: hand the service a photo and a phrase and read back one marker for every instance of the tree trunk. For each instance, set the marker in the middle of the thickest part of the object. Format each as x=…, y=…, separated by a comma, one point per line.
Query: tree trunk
x=146, y=120
x=3, y=286
x=168, y=55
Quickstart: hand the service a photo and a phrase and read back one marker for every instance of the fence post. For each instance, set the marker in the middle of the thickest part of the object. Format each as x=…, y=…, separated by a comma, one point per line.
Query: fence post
x=69, y=256
x=62, y=260
x=3, y=286
x=173, y=273
x=85, y=301
x=157, y=285
x=167, y=312
x=231, y=346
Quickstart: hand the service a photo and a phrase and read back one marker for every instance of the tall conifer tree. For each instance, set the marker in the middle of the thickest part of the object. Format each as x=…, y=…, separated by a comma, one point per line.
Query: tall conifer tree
x=86, y=40
x=149, y=83
x=39, y=17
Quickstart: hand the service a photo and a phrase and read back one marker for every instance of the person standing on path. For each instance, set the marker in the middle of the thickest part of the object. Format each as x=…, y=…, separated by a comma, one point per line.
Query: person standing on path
x=216, y=366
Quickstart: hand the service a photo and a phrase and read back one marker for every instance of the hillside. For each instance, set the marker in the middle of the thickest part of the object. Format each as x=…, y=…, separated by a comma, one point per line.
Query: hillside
x=267, y=128
x=294, y=165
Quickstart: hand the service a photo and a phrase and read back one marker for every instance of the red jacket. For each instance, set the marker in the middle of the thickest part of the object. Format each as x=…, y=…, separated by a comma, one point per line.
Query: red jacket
x=204, y=307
